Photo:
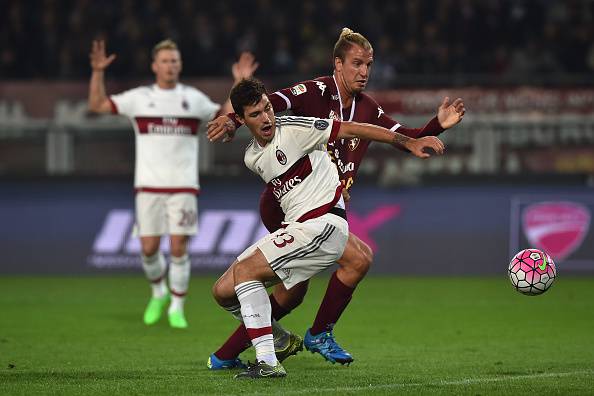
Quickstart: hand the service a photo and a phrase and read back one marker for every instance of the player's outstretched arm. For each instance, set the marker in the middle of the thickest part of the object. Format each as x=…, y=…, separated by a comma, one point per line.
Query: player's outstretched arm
x=98, y=100
x=383, y=135
x=449, y=114
x=223, y=127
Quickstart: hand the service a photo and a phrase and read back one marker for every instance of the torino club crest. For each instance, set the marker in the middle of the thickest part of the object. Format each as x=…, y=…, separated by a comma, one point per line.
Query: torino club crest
x=353, y=143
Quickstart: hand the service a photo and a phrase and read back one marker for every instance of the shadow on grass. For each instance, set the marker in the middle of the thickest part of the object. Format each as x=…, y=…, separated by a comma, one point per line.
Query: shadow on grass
x=14, y=376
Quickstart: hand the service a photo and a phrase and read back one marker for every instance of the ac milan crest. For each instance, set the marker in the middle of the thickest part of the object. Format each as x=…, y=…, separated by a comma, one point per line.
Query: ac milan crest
x=556, y=227
x=281, y=157
x=353, y=143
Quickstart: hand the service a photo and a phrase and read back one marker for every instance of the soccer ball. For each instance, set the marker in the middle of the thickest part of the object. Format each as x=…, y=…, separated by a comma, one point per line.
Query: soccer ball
x=532, y=272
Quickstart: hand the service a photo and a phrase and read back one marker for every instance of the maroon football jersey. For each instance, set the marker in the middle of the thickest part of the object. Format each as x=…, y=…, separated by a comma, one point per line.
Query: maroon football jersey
x=320, y=98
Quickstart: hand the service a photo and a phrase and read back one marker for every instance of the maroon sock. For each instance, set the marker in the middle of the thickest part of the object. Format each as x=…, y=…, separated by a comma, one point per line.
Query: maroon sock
x=239, y=341
x=338, y=295
x=278, y=311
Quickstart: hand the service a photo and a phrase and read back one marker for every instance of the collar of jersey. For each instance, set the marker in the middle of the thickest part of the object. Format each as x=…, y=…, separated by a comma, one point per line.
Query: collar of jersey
x=173, y=90
x=340, y=101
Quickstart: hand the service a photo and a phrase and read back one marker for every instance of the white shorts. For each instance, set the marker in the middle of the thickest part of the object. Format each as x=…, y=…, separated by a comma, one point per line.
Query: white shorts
x=160, y=214
x=301, y=250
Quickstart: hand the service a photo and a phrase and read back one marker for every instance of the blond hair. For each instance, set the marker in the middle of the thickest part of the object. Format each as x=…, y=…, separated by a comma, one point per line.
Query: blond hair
x=166, y=44
x=346, y=40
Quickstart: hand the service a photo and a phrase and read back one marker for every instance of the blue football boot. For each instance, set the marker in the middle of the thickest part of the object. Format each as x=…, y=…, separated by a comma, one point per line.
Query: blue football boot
x=214, y=363
x=325, y=344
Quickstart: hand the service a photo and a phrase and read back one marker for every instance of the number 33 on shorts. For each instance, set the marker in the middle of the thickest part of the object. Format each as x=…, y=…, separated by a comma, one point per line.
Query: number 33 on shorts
x=283, y=239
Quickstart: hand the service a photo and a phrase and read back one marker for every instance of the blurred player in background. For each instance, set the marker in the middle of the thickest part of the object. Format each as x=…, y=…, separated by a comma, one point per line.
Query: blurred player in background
x=289, y=154
x=166, y=117
x=338, y=97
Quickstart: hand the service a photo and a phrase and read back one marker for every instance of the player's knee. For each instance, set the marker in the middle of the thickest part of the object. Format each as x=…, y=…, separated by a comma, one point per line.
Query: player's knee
x=150, y=249
x=241, y=273
x=367, y=254
x=362, y=260
x=178, y=245
x=221, y=293
x=178, y=251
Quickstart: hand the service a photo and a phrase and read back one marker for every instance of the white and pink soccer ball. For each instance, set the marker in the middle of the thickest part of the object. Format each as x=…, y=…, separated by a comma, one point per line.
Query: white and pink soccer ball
x=532, y=272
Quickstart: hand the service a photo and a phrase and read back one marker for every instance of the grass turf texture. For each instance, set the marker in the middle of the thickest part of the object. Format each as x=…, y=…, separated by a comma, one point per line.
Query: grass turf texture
x=65, y=335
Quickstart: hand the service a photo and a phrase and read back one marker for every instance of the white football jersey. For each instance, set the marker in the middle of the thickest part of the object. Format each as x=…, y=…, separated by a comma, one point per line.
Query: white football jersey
x=166, y=123
x=297, y=168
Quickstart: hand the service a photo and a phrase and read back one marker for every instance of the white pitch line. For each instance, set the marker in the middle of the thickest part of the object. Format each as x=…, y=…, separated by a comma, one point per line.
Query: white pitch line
x=465, y=381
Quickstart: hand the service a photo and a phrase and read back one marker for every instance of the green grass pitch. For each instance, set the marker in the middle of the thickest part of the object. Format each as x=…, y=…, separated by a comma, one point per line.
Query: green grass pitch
x=84, y=336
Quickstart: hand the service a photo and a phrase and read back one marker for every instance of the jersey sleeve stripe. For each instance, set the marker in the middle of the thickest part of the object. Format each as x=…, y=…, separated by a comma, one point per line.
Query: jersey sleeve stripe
x=295, y=123
x=393, y=129
x=287, y=101
x=114, y=108
x=334, y=131
x=307, y=120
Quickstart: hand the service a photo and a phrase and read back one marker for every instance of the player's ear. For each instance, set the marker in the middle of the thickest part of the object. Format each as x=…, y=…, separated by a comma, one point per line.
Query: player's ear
x=154, y=67
x=338, y=64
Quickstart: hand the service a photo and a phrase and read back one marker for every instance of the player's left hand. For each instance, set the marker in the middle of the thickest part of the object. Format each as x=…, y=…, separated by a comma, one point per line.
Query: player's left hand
x=417, y=146
x=346, y=195
x=244, y=67
x=221, y=128
x=449, y=114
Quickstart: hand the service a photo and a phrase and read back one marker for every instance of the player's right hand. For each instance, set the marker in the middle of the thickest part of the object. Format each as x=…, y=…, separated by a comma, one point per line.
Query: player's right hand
x=417, y=146
x=221, y=128
x=244, y=67
x=99, y=61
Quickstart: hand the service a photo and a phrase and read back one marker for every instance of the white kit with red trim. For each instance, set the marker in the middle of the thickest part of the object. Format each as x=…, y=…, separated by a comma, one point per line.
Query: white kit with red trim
x=166, y=123
x=297, y=168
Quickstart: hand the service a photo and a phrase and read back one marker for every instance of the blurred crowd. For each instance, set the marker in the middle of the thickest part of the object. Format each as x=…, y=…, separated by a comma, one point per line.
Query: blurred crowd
x=493, y=38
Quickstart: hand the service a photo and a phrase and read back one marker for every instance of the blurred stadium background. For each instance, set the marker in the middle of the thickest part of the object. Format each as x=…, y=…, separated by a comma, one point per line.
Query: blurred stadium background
x=519, y=169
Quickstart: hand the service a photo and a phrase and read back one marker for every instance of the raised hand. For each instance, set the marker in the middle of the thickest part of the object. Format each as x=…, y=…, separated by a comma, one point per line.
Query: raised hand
x=346, y=195
x=99, y=62
x=449, y=114
x=417, y=146
x=221, y=128
x=244, y=67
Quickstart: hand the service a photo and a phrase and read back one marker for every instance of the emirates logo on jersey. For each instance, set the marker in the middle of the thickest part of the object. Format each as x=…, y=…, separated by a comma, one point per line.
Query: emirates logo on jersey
x=167, y=125
x=281, y=188
x=281, y=157
x=353, y=143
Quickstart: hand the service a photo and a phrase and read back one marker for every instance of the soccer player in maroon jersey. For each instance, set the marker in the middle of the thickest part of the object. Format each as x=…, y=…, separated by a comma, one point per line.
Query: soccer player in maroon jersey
x=340, y=97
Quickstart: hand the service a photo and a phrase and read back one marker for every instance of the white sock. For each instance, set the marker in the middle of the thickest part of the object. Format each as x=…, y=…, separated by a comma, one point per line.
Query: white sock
x=256, y=311
x=179, y=280
x=155, y=269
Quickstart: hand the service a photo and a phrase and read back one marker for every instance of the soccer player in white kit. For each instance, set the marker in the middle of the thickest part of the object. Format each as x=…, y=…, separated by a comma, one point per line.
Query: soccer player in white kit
x=166, y=117
x=289, y=153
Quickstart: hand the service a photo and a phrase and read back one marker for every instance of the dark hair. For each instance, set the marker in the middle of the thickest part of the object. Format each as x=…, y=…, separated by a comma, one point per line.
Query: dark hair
x=247, y=92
